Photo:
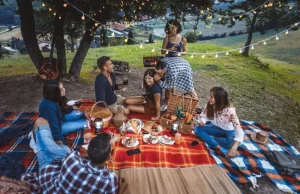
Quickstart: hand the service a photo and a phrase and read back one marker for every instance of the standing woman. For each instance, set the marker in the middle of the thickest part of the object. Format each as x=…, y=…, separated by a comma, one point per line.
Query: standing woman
x=174, y=44
x=53, y=107
x=224, y=131
x=150, y=104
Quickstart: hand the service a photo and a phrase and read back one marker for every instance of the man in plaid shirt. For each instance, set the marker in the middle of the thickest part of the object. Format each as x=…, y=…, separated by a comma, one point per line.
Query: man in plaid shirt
x=176, y=73
x=76, y=175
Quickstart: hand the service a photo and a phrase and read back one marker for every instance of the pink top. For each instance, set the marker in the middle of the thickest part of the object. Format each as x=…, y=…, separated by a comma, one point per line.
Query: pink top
x=226, y=120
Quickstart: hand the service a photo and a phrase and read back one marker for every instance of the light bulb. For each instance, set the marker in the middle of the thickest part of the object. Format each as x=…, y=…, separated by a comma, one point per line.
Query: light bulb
x=50, y=9
x=291, y=7
x=241, y=51
x=265, y=5
x=227, y=53
x=83, y=18
x=65, y=4
x=59, y=17
x=254, y=12
x=220, y=19
x=241, y=16
x=167, y=52
x=153, y=50
x=113, y=34
x=54, y=14
x=277, y=38
x=192, y=56
x=233, y=19
x=96, y=24
x=201, y=12
x=217, y=55
x=265, y=43
x=287, y=32
x=296, y=24
x=126, y=40
x=270, y=4
x=141, y=45
x=203, y=56
x=252, y=47
x=43, y=4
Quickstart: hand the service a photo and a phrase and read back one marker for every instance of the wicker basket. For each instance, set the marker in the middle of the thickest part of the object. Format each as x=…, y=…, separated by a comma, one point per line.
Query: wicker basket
x=120, y=117
x=188, y=104
x=99, y=112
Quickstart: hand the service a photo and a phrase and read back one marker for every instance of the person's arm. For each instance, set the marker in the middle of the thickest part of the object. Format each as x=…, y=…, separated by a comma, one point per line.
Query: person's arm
x=51, y=114
x=100, y=90
x=239, y=135
x=157, y=106
x=164, y=46
x=184, y=46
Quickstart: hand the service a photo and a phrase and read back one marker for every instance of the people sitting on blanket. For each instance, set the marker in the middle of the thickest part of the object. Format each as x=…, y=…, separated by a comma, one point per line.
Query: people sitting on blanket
x=175, y=73
x=218, y=124
x=174, y=45
x=62, y=119
x=150, y=103
x=72, y=173
x=105, y=85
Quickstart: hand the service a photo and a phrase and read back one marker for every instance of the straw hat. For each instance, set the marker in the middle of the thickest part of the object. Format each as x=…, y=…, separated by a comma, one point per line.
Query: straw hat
x=260, y=137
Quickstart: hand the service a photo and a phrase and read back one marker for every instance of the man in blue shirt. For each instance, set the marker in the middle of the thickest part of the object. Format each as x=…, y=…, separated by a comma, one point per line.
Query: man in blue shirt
x=105, y=85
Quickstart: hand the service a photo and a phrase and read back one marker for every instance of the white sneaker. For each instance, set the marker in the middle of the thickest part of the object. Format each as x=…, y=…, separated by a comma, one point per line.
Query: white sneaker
x=163, y=107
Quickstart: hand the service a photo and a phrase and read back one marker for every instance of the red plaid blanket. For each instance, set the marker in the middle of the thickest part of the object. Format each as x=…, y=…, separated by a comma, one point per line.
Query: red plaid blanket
x=157, y=155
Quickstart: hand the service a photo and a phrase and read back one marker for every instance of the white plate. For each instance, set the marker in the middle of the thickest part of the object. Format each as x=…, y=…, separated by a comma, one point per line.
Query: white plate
x=71, y=102
x=145, y=139
x=163, y=141
x=129, y=146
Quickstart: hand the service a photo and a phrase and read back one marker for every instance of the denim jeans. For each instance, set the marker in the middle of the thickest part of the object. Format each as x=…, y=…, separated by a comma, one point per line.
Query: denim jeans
x=47, y=149
x=214, y=136
x=73, y=121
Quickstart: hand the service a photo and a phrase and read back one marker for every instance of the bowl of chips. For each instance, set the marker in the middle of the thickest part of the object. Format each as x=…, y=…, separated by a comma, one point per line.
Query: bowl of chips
x=134, y=125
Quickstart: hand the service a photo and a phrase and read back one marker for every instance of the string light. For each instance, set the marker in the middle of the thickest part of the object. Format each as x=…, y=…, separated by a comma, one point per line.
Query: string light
x=96, y=24
x=287, y=32
x=217, y=55
x=252, y=47
x=227, y=53
x=126, y=40
x=167, y=52
x=141, y=45
x=83, y=18
x=113, y=34
x=277, y=38
x=203, y=56
x=65, y=4
x=153, y=50
x=192, y=56
x=50, y=9
x=54, y=14
x=241, y=51
x=265, y=43
x=59, y=17
x=43, y=4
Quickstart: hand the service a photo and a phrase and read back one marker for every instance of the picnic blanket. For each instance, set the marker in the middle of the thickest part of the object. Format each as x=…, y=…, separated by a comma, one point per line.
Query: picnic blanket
x=19, y=148
x=252, y=162
x=209, y=179
x=182, y=155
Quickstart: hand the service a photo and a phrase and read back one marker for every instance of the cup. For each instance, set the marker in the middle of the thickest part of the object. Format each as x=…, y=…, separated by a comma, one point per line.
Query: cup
x=177, y=138
x=125, y=81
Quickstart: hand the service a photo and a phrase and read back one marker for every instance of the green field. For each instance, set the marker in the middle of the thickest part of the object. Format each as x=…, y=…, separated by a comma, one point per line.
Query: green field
x=272, y=74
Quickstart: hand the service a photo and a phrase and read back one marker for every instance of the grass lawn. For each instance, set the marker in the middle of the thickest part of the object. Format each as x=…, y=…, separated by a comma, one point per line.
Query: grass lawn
x=268, y=74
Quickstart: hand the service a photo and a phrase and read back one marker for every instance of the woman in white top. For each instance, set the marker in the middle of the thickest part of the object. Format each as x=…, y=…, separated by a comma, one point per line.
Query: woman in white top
x=224, y=131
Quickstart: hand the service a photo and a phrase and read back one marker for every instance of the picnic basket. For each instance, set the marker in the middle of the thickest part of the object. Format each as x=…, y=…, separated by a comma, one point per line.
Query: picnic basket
x=188, y=104
x=99, y=112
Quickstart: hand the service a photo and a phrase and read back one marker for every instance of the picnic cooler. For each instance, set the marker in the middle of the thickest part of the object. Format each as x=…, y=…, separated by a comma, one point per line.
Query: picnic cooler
x=99, y=112
x=188, y=104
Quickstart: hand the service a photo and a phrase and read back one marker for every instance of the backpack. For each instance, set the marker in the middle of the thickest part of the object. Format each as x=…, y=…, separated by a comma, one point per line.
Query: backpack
x=286, y=164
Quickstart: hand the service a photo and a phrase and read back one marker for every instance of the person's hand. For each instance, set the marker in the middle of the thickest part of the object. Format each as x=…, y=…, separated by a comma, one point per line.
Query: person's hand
x=232, y=152
x=157, y=77
x=59, y=143
x=154, y=118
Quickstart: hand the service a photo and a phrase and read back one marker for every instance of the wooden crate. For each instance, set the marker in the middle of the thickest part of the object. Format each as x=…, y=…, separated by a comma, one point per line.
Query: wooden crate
x=188, y=104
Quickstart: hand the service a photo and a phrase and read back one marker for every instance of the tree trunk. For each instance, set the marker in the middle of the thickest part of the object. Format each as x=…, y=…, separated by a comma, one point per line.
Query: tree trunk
x=72, y=44
x=80, y=54
x=250, y=33
x=60, y=45
x=28, y=32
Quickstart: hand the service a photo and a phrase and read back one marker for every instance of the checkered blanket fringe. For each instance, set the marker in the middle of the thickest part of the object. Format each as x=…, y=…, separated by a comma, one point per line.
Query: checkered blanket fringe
x=18, y=148
x=252, y=162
